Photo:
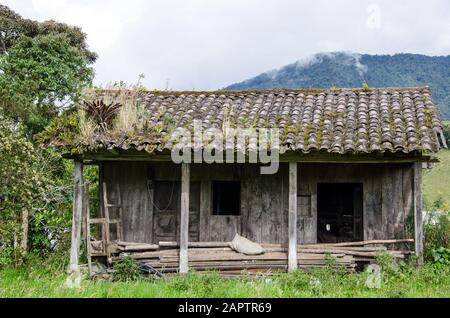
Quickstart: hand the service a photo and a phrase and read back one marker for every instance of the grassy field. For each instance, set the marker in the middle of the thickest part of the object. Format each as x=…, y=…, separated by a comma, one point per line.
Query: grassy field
x=395, y=282
x=436, y=182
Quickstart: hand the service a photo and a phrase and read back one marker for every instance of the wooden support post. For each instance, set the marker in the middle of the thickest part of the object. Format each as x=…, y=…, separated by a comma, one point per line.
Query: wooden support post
x=86, y=228
x=24, y=240
x=106, y=232
x=205, y=210
x=184, y=217
x=418, y=221
x=76, y=217
x=292, y=222
x=85, y=211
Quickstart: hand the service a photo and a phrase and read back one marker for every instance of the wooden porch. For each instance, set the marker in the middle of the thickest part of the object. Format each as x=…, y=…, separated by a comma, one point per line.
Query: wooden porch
x=183, y=255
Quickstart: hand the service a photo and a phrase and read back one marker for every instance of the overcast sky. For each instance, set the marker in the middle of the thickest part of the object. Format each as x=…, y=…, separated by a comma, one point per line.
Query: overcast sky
x=208, y=44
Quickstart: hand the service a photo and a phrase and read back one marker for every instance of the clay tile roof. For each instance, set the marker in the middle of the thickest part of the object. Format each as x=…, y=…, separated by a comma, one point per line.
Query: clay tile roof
x=340, y=121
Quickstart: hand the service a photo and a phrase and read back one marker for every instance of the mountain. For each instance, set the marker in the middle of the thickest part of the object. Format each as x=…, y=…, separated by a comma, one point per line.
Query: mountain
x=345, y=70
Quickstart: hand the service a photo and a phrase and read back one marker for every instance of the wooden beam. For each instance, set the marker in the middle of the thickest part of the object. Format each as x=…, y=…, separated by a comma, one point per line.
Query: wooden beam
x=292, y=222
x=85, y=225
x=132, y=155
x=418, y=220
x=76, y=217
x=354, y=158
x=184, y=217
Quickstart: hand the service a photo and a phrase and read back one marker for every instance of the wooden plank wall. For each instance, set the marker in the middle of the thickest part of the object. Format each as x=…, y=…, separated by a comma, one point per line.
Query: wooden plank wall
x=387, y=199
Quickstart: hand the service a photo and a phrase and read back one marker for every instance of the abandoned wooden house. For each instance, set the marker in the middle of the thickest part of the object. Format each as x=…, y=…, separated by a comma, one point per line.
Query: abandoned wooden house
x=349, y=179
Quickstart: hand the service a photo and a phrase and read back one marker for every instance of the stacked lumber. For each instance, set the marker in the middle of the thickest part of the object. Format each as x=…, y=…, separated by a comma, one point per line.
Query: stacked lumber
x=219, y=256
x=132, y=246
x=227, y=260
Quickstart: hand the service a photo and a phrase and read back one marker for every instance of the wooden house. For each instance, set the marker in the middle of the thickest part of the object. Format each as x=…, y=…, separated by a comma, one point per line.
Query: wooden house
x=350, y=170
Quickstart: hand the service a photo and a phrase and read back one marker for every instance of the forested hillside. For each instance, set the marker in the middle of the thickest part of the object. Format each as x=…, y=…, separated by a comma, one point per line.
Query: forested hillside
x=341, y=69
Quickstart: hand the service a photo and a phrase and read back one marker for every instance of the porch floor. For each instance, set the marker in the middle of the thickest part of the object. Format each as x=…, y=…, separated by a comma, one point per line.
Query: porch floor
x=219, y=256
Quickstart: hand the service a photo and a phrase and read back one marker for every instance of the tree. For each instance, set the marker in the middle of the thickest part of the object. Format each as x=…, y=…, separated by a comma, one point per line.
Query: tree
x=43, y=68
x=12, y=26
x=40, y=76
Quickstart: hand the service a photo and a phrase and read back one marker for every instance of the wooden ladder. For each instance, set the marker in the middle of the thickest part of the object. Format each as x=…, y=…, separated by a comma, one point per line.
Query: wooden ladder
x=105, y=223
x=108, y=220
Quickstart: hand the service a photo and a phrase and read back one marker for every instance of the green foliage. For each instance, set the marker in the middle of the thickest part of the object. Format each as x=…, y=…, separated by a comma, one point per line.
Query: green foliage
x=441, y=256
x=40, y=182
x=365, y=87
x=393, y=270
x=127, y=269
x=22, y=182
x=43, y=68
x=13, y=26
x=446, y=131
x=65, y=127
x=39, y=76
x=6, y=256
x=437, y=232
x=102, y=114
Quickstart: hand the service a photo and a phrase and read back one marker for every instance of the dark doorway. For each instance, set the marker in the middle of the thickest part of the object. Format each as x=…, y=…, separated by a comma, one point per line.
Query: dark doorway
x=339, y=212
x=226, y=197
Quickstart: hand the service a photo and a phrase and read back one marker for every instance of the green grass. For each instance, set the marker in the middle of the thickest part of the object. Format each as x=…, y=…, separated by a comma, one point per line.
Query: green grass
x=407, y=282
x=436, y=182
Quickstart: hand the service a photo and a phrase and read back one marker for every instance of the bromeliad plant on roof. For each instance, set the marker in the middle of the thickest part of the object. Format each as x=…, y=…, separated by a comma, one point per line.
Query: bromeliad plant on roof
x=103, y=114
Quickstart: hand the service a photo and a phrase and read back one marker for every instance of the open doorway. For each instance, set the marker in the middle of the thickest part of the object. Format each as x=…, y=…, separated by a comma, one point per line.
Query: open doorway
x=339, y=212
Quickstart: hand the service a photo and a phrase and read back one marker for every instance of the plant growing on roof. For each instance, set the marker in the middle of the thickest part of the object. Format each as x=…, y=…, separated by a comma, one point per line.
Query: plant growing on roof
x=365, y=87
x=336, y=89
x=101, y=113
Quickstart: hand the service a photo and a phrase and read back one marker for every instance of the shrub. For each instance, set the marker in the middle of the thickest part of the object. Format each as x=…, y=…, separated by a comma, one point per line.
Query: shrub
x=436, y=231
x=127, y=269
x=365, y=87
x=6, y=256
x=22, y=185
x=441, y=256
x=446, y=131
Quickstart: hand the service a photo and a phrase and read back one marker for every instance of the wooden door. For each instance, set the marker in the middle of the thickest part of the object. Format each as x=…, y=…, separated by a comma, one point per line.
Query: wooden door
x=167, y=211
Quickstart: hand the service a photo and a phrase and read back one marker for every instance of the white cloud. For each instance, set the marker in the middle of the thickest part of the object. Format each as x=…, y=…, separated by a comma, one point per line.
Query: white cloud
x=103, y=21
x=204, y=44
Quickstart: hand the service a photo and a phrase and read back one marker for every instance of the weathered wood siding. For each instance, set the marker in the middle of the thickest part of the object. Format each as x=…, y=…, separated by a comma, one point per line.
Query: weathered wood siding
x=387, y=197
x=148, y=217
x=132, y=177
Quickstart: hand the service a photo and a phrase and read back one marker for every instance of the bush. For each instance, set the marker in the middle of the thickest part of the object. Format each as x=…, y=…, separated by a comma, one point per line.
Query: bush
x=441, y=256
x=22, y=185
x=39, y=182
x=436, y=232
x=127, y=269
x=446, y=131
